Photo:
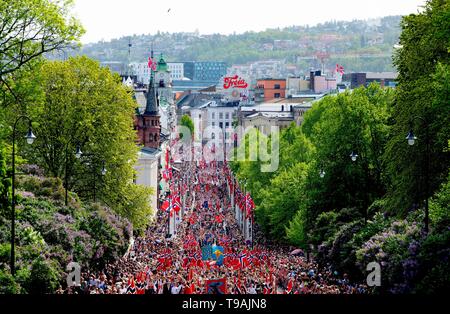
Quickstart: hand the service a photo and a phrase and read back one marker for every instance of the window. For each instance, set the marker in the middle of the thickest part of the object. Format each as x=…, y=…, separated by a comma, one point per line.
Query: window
x=277, y=95
x=277, y=86
x=221, y=115
x=227, y=116
x=227, y=124
x=213, y=115
x=221, y=125
x=213, y=124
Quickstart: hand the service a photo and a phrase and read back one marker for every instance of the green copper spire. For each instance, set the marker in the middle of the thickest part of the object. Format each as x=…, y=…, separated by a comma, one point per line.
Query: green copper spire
x=162, y=65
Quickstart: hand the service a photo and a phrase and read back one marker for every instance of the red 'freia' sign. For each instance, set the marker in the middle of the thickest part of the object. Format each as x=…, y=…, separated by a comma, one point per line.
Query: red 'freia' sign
x=234, y=81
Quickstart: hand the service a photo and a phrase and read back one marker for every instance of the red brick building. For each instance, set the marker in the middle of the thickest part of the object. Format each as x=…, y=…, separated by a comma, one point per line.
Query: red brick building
x=268, y=89
x=147, y=124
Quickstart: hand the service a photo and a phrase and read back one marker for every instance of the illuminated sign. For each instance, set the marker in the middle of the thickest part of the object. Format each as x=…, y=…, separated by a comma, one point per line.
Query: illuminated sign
x=234, y=81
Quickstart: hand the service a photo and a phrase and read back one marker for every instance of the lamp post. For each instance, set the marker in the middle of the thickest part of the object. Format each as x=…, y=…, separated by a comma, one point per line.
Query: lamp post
x=78, y=154
x=30, y=139
x=411, y=138
x=93, y=163
x=354, y=156
x=245, y=208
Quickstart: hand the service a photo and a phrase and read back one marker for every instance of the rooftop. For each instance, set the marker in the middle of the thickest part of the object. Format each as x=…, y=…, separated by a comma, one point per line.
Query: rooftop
x=278, y=115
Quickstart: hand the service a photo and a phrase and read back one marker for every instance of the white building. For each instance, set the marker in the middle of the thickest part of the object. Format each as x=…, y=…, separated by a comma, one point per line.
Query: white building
x=176, y=70
x=142, y=71
x=213, y=115
x=147, y=172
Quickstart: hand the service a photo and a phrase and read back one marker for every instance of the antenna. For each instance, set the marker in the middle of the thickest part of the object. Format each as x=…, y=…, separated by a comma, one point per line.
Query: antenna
x=128, y=71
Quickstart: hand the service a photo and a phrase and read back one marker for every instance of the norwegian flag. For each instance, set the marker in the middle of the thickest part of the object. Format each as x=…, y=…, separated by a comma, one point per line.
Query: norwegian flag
x=249, y=205
x=167, y=174
x=131, y=286
x=339, y=69
x=165, y=205
x=176, y=203
x=152, y=64
x=140, y=283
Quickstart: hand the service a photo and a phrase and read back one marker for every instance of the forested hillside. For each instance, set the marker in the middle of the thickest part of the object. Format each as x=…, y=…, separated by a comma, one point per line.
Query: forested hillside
x=359, y=45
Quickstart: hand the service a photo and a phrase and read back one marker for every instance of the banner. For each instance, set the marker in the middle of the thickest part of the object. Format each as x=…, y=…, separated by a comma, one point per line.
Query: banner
x=216, y=286
x=217, y=254
x=207, y=252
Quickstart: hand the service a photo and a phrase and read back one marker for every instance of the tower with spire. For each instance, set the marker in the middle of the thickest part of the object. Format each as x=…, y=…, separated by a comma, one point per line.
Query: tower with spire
x=148, y=123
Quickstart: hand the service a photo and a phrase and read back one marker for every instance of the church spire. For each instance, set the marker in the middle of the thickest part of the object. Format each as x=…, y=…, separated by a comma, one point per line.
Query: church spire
x=152, y=100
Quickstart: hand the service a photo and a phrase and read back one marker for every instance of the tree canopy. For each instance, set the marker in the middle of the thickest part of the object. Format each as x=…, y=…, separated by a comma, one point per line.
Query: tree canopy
x=32, y=28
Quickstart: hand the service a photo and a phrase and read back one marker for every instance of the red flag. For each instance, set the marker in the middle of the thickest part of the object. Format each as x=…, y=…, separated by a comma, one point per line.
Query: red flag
x=165, y=205
x=289, y=286
x=151, y=64
x=131, y=287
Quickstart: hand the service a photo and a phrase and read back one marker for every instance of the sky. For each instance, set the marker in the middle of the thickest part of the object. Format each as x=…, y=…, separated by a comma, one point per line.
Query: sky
x=108, y=19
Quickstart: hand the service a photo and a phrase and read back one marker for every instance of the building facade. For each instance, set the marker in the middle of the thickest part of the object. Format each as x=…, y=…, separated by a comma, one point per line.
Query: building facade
x=142, y=71
x=205, y=70
x=268, y=89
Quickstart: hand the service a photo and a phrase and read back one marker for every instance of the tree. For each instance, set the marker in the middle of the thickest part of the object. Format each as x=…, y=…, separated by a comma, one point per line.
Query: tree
x=81, y=104
x=31, y=28
x=282, y=200
x=422, y=91
x=187, y=122
x=341, y=124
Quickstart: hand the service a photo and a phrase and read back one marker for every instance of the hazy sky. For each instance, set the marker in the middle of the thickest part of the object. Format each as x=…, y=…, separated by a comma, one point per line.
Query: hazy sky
x=106, y=19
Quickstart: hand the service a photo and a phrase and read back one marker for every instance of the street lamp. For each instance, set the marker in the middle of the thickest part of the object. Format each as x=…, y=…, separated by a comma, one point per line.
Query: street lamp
x=104, y=169
x=322, y=173
x=354, y=156
x=78, y=153
x=30, y=137
x=411, y=138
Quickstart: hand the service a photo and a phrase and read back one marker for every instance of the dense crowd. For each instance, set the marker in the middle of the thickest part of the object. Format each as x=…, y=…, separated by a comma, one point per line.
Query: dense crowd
x=160, y=263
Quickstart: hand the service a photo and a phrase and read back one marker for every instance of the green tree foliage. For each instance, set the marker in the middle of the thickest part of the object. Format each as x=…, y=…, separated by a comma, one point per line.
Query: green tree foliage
x=275, y=211
x=422, y=91
x=341, y=124
x=31, y=28
x=282, y=200
x=187, y=122
x=82, y=104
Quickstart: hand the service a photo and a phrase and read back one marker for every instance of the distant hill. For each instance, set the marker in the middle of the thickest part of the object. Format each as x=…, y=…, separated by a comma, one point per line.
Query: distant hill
x=358, y=45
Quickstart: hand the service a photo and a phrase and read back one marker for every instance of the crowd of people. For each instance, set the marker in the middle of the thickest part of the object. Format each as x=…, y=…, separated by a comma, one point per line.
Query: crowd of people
x=164, y=263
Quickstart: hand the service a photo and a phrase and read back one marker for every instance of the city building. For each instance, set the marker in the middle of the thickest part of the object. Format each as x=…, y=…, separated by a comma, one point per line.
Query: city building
x=147, y=172
x=297, y=85
x=205, y=70
x=142, y=71
x=277, y=112
x=147, y=125
x=176, y=70
x=320, y=83
x=187, y=84
x=268, y=89
x=385, y=79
